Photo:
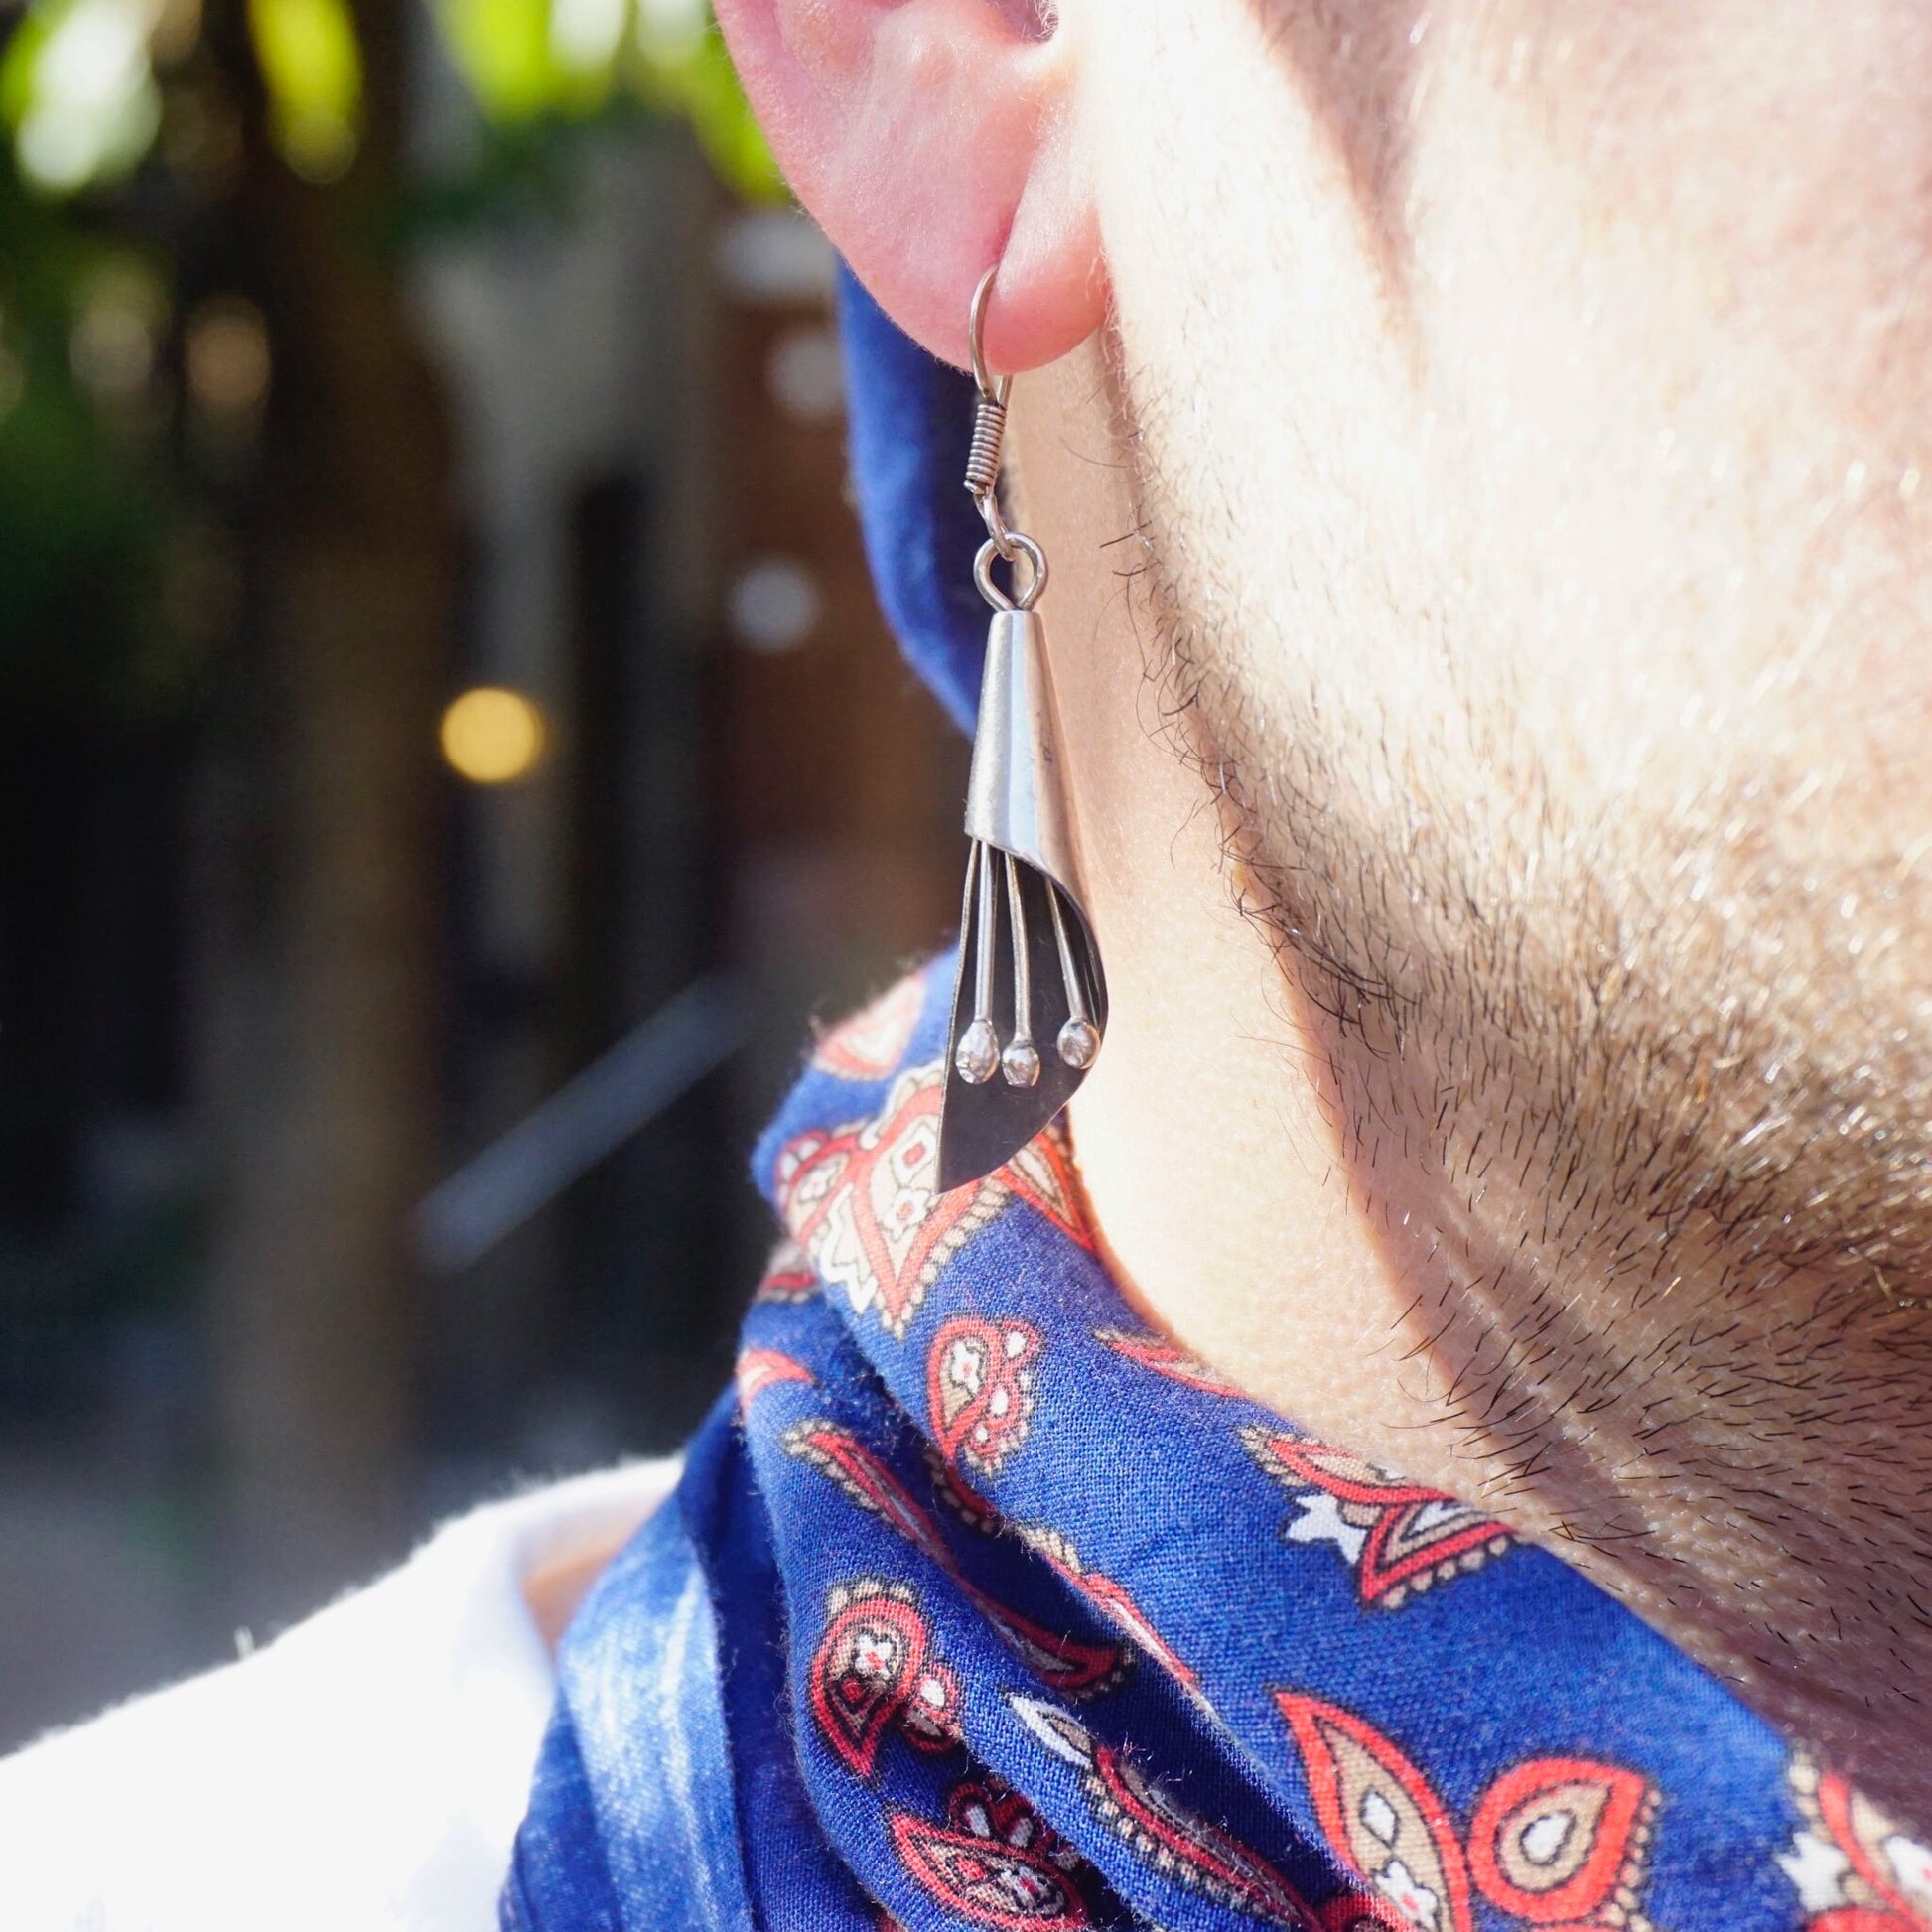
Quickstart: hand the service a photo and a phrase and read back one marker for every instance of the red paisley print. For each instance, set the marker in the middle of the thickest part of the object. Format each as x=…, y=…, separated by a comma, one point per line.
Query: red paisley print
x=1855, y=1868
x=1554, y=1842
x=834, y=1452
x=1381, y=1816
x=992, y=1862
x=1166, y=1359
x=980, y=1388
x=1042, y=1176
x=989, y=1808
x=968, y=1505
x=1398, y=1537
x=1069, y=1665
x=1563, y=1842
x=874, y=1670
x=1112, y=1599
x=1174, y=1838
x=760, y=1368
x=863, y=1203
x=1861, y=1919
x=788, y=1275
x=930, y=1719
x=1362, y=1911
x=870, y=1044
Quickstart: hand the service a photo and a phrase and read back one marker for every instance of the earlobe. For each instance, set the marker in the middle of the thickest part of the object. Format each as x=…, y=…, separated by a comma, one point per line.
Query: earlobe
x=933, y=139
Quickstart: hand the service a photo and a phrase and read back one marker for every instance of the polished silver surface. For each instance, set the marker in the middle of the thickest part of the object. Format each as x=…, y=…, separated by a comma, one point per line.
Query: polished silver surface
x=1039, y=978
x=1020, y=1061
x=1079, y=1043
x=992, y=390
x=1017, y=547
x=1079, y=1040
x=1022, y=869
x=982, y=457
x=1016, y=797
x=976, y=1058
x=985, y=1121
x=989, y=434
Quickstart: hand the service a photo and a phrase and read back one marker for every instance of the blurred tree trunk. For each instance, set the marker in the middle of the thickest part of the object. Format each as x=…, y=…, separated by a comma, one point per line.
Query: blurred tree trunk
x=322, y=1030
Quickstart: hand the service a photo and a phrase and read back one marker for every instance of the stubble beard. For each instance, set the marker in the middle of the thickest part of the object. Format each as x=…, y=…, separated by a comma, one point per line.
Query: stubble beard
x=1639, y=1107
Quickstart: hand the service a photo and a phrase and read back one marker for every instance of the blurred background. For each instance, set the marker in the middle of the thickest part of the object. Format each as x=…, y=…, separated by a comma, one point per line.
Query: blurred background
x=449, y=756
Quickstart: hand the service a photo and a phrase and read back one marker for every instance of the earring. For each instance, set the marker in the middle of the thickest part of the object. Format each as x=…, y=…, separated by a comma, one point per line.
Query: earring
x=1027, y=951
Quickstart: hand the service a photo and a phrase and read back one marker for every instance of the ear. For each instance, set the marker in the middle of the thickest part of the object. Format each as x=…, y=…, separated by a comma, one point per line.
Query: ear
x=933, y=139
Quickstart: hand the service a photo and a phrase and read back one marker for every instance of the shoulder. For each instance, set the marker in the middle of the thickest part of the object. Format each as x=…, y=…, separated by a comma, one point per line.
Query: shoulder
x=368, y=1769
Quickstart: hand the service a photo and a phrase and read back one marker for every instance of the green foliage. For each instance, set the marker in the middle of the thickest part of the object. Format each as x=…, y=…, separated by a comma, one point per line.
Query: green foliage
x=78, y=91
x=82, y=102
x=504, y=52
x=698, y=82
x=104, y=557
x=312, y=70
x=531, y=63
x=513, y=172
x=83, y=504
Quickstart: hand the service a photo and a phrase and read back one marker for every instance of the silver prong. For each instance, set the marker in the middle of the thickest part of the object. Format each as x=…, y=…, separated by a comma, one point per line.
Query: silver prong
x=977, y=1056
x=985, y=935
x=1079, y=1040
x=1020, y=1061
x=1076, y=992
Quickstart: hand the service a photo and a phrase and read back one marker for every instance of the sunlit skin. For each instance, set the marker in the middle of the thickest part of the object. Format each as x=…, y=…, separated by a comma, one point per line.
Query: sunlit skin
x=1479, y=448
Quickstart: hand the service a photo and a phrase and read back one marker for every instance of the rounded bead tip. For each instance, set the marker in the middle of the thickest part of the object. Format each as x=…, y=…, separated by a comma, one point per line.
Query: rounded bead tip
x=1079, y=1043
x=977, y=1056
x=1020, y=1064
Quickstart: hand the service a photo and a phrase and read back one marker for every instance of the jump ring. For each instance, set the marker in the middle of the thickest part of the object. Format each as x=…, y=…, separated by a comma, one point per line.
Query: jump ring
x=983, y=574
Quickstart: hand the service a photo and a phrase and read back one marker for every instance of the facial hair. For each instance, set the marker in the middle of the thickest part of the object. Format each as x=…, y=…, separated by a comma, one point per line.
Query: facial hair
x=1638, y=1102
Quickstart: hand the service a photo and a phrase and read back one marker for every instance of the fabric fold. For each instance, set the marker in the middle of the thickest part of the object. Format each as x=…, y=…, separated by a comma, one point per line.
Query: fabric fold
x=1014, y=1616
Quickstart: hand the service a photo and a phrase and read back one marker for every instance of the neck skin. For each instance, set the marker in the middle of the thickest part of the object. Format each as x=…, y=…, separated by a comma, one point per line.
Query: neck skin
x=1202, y=1148
x=1223, y=1195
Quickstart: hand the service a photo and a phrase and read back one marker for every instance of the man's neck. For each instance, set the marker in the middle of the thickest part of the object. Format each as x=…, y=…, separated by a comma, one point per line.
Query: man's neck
x=1213, y=1139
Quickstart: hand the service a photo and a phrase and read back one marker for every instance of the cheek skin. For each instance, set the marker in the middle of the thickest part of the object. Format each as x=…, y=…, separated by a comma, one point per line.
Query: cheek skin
x=1533, y=432
x=1694, y=241
x=1783, y=148
x=1579, y=406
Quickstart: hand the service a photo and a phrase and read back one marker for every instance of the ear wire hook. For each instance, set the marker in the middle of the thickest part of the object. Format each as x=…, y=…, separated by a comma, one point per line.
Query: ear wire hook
x=976, y=340
x=989, y=425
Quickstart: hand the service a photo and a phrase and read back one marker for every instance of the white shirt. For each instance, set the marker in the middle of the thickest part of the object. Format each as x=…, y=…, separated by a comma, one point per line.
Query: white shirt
x=366, y=1772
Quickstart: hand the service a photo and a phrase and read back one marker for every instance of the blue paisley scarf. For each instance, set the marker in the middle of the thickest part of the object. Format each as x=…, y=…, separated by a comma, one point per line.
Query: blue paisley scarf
x=981, y=1606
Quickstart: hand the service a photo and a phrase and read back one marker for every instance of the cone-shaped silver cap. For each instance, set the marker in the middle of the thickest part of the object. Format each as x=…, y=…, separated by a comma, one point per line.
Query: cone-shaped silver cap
x=1016, y=798
x=1015, y=802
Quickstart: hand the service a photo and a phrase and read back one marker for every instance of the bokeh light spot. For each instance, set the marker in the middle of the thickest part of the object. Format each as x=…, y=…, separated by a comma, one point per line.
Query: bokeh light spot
x=807, y=374
x=775, y=605
x=312, y=65
x=78, y=87
x=493, y=735
x=111, y=346
x=227, y=357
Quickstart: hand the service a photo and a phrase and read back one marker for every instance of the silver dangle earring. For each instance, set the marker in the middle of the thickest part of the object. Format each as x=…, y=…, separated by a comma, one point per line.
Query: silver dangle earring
x=1027, y=960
